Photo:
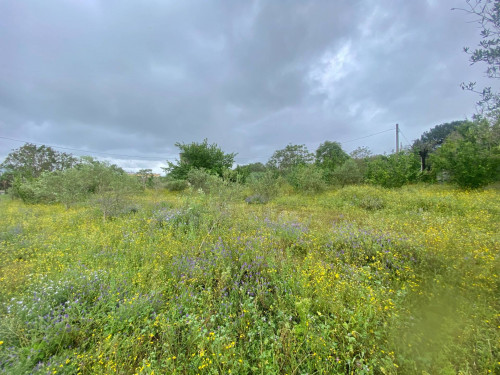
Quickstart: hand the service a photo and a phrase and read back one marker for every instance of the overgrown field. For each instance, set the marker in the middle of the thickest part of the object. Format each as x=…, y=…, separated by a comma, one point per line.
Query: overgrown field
x=360, y=280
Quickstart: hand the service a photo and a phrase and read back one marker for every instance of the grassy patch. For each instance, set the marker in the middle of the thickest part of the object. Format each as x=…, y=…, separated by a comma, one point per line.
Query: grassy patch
x=358, y=280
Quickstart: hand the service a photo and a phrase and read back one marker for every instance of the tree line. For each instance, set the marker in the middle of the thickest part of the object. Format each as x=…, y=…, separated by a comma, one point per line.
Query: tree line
x=464, y=153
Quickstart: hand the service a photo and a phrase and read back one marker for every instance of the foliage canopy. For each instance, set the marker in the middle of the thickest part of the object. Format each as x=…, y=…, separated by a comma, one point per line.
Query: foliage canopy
x=470, y=155
x=291, y=156
x=30, y=161
x=199, y=156
x=330, y=155
x=432, y=139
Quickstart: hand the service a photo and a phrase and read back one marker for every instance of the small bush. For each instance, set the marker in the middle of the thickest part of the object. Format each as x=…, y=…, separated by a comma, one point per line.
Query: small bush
x=176, y=185
x=371, y=203
x=308, y=179
x=201, y=179
x=368, y=198
x=266, y=185
x=186, y=219
x=220, y=189
x=347, y=174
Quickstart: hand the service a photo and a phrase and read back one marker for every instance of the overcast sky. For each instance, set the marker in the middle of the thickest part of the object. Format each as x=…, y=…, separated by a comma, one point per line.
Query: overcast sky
x=135, y=77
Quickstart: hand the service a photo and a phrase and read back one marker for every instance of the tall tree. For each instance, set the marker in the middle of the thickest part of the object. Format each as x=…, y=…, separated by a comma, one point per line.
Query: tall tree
x=199, y=156
x=361, y=152
x=291, y=156
x=330, y=155
x=30, y=161
x=360, y=156
x=432, y=139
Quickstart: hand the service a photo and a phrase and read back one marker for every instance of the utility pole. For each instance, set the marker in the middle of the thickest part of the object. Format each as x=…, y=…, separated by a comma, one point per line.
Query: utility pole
x=397, y=138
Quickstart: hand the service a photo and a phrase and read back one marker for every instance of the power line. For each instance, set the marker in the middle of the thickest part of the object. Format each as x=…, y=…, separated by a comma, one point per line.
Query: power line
x=86, y=151
x=406, y=139
x=367, y=136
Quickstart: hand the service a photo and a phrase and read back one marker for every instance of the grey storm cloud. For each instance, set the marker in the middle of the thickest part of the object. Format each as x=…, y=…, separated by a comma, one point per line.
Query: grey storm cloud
x=133, y=78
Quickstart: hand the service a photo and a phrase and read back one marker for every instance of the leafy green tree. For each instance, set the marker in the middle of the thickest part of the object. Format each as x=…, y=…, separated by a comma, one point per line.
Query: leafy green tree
x=329, y=156
x=256, y=167
x=471, y=155
x=361, y=156
x=199, y=156
x=432, y=139
x=30, y=161
x=487, y=16
x=360, y=153
x=6, y=178
x=283, y=161
x=98, y=175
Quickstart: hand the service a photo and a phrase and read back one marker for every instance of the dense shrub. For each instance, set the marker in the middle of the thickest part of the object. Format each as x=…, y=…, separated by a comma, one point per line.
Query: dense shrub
x=32, y=190
x=470, y=156
x=77, y=184
x=367, y=197
x=176, y=185
x=347, y=174
x=186, y=219
x=245, y=171
x=201, y=179
x=393, y=170
x=266, y=185
x=307, y=178
x=218, y=188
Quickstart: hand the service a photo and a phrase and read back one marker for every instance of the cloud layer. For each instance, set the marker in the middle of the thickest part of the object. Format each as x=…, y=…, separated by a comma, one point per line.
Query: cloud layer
x=133, y=78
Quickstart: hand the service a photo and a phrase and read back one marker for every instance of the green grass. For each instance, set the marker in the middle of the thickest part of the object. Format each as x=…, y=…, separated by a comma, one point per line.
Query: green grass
x=360, y=280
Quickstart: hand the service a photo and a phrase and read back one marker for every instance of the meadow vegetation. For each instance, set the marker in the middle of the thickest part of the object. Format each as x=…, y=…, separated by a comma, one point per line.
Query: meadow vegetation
x=314, y=263
x=323, y=263
x=354, y=280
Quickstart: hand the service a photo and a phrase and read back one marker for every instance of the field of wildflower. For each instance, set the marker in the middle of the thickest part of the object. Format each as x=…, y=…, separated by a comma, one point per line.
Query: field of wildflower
x=360, y=280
